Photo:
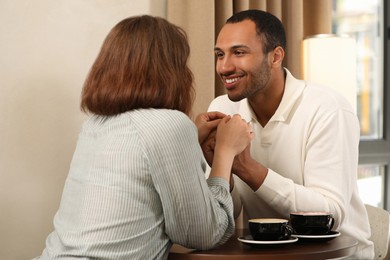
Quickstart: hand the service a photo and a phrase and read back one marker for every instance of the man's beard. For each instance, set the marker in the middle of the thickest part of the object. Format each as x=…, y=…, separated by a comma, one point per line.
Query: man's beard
x=258, y=83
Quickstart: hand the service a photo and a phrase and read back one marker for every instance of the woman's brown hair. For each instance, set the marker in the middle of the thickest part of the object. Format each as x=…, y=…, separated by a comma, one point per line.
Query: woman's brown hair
x=142, y=64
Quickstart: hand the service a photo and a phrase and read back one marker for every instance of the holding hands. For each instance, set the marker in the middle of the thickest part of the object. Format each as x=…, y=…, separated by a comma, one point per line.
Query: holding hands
x=222, y=138
x=232, y=131
x=207, y=123
x=233, y=134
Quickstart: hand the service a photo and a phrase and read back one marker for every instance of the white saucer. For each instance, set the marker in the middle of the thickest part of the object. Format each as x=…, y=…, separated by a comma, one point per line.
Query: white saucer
x=329, y=236
x=250, y=241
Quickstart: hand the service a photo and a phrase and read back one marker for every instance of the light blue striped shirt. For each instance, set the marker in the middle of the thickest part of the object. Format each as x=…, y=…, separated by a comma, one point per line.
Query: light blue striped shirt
x=135, y=186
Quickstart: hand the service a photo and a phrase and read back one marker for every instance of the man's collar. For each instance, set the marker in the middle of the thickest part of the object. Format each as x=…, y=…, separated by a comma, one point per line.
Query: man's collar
x=292, y=91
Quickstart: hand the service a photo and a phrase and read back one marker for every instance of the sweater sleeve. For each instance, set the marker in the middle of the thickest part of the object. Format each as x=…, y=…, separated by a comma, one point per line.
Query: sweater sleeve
x=329, y=171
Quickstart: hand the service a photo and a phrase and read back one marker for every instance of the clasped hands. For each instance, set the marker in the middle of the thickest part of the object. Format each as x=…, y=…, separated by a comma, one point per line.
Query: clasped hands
x=216, y=128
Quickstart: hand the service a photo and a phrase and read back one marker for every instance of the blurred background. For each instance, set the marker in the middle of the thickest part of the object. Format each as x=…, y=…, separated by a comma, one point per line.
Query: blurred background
x=47, y=48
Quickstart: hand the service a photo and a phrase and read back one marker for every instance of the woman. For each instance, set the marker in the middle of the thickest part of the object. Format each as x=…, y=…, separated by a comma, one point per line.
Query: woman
x=136, y=182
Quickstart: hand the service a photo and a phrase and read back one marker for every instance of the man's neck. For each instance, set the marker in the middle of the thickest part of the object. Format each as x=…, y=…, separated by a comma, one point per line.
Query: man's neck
x=265, y=104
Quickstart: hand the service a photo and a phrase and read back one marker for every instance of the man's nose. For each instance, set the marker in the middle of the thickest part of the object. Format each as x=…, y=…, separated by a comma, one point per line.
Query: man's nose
x=225, y=65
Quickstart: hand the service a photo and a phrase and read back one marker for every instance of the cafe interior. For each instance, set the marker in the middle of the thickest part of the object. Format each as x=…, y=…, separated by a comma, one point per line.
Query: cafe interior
x=48, y=47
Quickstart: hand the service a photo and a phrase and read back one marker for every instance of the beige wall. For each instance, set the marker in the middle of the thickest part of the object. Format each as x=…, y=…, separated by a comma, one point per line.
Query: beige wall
x=47, y=48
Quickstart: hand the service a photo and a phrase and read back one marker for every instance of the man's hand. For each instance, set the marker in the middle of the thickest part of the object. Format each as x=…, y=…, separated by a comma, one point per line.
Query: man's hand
x=208, y=146
x=249, y=170
x=241, y=160
x=206, y=123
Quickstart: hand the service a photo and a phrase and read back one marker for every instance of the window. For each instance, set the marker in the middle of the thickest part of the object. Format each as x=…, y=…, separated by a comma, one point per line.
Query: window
x=365, y=20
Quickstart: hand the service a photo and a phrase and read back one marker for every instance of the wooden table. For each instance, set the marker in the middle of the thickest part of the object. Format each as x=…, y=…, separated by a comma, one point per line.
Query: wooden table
x=340, y=246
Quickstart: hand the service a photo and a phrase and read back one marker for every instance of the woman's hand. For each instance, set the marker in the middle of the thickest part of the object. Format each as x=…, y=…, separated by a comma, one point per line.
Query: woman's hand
x=234, y=134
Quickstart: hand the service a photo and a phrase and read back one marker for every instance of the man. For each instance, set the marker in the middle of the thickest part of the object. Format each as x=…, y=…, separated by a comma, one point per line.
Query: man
x=305, y=153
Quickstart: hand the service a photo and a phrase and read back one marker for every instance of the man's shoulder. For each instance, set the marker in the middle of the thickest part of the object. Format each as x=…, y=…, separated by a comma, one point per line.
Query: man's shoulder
x=224, y=104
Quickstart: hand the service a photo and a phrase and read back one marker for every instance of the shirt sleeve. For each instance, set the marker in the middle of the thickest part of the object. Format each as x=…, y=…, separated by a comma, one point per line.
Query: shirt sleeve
x=197, y=213
x=329, y=170
x=223, y=104
x=237, y=203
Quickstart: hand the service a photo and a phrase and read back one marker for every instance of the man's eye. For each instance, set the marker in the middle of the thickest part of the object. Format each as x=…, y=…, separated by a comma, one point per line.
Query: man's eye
x=219, y=54
x=239, y=53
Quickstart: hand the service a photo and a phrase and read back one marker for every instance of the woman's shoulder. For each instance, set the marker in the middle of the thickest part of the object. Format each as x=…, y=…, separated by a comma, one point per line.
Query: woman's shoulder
x=164, y=121
x=164, y=128
x=160, y=117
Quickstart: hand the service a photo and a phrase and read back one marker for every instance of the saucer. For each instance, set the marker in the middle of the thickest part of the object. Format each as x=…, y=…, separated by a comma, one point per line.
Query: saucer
x=329, y=236
x=248, y=240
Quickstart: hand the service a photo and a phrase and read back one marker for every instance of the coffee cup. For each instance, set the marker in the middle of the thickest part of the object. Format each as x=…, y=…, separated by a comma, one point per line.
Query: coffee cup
x=269, y=229
x=311, y=223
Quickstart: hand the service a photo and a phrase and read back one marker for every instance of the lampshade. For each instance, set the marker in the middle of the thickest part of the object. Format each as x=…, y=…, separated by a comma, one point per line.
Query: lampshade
x=330, y=60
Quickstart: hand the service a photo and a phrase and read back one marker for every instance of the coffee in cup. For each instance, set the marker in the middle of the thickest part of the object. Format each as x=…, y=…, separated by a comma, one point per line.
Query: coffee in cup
x=311, y=223
x=269, y=229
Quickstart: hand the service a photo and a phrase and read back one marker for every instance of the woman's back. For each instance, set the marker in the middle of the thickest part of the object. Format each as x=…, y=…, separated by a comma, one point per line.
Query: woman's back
x=127, y=172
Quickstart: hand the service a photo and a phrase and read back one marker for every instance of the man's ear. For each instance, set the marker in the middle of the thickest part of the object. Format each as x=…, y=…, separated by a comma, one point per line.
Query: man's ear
x=277, y=57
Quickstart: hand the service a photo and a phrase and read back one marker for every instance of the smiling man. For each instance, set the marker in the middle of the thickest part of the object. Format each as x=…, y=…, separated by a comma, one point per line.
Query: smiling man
x=305, y=153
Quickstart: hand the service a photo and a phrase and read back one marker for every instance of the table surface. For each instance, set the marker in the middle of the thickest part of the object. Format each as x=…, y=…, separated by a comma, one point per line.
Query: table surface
x=340, y=246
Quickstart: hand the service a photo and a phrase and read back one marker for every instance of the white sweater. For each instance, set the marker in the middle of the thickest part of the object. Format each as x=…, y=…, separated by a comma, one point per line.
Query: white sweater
x=310, y=147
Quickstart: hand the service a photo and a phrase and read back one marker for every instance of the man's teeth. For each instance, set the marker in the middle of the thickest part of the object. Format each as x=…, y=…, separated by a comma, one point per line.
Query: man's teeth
x=229, y=81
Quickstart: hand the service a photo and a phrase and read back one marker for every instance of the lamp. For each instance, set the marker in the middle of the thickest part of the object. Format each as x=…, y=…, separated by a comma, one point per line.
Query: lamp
x=330, y=60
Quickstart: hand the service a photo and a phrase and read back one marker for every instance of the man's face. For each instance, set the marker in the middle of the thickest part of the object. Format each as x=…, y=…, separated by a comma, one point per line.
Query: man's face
x=241, y=63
